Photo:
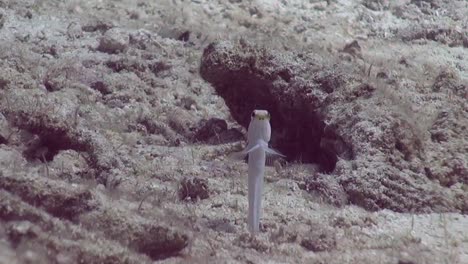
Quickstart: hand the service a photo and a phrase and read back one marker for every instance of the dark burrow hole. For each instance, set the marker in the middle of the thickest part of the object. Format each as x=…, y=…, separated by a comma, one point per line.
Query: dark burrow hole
x=303, y=142
x=299, y=134
x=3, y=140
x=40, y=151
x=43, y=137
x=298, y=129
x=45, y=148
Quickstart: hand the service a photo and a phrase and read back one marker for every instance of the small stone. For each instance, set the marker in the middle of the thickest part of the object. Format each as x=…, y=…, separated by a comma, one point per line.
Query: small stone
x=353, y=48
x=141, y=38
x=319, y=240
x=210, y=128
x=193, y=188
x=300, y=28
x=114, y=41
x=160, y=242
x=4, y=129
x=74, y=31
x=21, y=230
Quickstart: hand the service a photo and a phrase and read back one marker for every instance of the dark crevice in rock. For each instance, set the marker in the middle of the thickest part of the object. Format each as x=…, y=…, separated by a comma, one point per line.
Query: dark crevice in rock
x=57, y=200
x=3, y=140
x=249, y=85
x=51, y=135
x=160, y=243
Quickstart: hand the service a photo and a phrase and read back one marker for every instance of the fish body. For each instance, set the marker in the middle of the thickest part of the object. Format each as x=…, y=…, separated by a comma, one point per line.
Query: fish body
x=258, y=136
x=256, y=173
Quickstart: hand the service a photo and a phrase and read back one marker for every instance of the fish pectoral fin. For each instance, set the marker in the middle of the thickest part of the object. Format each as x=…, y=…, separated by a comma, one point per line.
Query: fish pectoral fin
x=251, y=148
x=241, y=154
x=271, y=151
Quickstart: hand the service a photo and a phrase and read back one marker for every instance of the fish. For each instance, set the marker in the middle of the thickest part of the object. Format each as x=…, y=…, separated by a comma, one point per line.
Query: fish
x=258, y=136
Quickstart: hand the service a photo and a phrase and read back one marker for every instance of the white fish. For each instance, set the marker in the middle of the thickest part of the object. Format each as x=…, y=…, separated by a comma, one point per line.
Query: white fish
x=258, y=136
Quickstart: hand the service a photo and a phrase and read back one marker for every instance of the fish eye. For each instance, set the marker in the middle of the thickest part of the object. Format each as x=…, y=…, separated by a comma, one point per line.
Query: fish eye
x=253, y=114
